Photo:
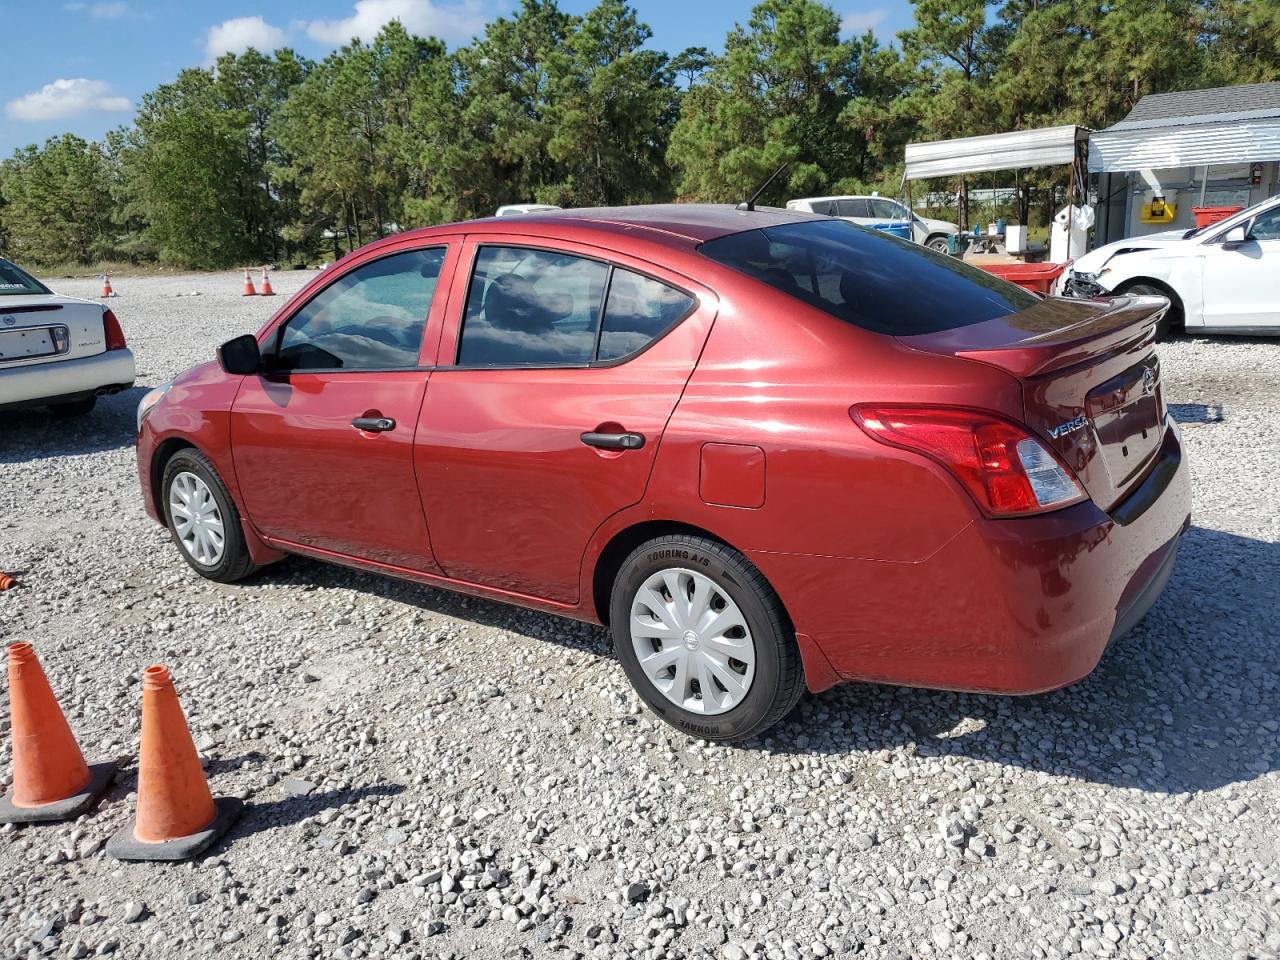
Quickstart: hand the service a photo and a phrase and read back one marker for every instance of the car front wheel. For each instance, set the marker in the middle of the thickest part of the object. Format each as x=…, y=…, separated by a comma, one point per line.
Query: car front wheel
x=938, y=242
x=704, y=639
x=203, y=518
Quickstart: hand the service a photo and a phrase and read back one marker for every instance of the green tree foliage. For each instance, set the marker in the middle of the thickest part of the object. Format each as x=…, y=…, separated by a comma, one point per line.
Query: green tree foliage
x=57, y=202
x=774, y=97
x=268, y=157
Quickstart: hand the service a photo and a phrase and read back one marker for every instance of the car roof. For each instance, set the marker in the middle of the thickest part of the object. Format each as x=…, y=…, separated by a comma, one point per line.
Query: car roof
x=843, y=196
x=682, y=224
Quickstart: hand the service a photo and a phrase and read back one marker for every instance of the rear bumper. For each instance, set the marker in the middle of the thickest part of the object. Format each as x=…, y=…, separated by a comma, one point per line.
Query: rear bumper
x=1007, y=606
x=61, y=380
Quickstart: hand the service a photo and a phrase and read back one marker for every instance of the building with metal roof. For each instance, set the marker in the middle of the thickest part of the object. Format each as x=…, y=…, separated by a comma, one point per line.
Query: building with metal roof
x=1176, y=152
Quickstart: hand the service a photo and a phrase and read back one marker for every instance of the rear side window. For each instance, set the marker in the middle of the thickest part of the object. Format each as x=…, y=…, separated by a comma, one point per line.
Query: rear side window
x=852, y=207
x=869, y=279
x=638, y=311
x=824, y=208
x=369, y=319
x=15, y=282
x=539, y=308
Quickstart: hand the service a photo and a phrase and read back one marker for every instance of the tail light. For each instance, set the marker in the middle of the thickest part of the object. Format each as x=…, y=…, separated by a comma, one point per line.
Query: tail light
x=111, y=327
x=1005, y=469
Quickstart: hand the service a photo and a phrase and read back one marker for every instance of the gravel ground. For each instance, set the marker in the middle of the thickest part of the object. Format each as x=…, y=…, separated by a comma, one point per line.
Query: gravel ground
x=436, y=776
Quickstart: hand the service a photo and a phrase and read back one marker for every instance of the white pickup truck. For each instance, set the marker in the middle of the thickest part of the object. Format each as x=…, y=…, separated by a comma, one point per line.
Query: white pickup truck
x=56, y=351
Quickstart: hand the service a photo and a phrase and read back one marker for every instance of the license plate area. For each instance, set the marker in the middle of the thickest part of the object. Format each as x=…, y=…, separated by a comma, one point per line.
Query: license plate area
x=31, y=342
x=1127, y=417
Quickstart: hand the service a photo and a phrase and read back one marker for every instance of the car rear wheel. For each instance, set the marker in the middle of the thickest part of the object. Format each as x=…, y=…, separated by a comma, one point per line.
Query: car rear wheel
x=704, y=639
x=1171, y=322
x=203, y=518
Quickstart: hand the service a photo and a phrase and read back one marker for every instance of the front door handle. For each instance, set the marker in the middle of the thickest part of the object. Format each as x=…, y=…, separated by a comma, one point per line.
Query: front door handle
x=614, y=441
x=374, y=424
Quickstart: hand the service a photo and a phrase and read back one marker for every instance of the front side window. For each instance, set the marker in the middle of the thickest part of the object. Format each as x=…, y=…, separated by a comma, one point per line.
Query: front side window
x=15, y=282
x=1266, y=226
x=869, y=279
x=369, y=319
x=887, y=210
x=538, y=308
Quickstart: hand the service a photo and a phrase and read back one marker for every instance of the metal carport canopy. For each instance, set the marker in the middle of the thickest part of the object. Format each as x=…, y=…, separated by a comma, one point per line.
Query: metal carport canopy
x=1156, y=145
x=1046, y=147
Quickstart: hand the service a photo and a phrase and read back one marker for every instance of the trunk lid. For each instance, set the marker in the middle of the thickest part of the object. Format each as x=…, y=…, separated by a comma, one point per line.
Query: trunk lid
x=1090, y=381
x=40, y=328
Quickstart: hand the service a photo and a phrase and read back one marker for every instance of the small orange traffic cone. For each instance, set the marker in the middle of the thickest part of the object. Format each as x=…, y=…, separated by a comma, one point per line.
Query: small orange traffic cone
x=177, y=817
x=51, y=781
x=248, y=285
x=266, y=290
x=106, y=286
x=7, y=582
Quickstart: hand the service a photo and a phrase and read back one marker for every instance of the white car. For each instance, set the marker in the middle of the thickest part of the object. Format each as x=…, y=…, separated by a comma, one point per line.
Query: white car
x=871, y=210
x=516, y=209
x=1223, y=278
x=55, y=351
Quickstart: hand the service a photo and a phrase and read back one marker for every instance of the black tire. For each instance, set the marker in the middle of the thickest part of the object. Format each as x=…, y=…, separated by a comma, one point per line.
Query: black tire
x=74, y=408
x=779, y=675
x=1172, y=321
x=235, y=562
x=938, y=242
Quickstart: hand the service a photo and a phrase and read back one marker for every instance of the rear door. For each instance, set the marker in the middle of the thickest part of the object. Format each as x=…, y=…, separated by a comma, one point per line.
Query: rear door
x=1242, y=281
x=323, y=441
x=559, y=369
x=855, y=210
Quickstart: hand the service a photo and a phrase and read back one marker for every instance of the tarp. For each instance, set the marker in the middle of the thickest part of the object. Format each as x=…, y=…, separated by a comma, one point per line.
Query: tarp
x=1046, y=147
x=1152, y=147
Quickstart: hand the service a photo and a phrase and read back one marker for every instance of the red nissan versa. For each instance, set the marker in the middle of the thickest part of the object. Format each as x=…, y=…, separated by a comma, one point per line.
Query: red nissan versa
x=768, y=449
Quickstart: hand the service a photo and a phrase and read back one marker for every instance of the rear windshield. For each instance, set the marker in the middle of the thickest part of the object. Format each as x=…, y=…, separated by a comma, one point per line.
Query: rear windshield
x=13, y=281
x=869, y=279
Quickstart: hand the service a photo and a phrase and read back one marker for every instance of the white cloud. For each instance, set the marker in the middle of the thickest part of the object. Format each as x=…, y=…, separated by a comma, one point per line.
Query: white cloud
x=99, y=11
x=858, y=22
x=66, y=98
x=241, y=33
x=420, y=17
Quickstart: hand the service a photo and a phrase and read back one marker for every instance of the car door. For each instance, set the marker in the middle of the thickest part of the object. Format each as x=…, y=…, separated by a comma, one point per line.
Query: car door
x=322, y=441
x=1240, y=281
x=544, y=421
x=889, y=211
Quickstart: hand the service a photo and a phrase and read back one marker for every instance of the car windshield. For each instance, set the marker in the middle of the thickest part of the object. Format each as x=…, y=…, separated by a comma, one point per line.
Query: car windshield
x=869, y=279
x=1241, y=216
x=14, y=282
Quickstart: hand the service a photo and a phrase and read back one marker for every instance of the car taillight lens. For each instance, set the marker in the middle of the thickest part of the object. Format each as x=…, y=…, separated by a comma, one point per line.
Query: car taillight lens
x=1005, y=469
x=111, y=327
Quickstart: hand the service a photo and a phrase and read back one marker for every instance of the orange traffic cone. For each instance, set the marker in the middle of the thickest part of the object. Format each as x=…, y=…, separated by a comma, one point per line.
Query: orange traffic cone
x=248, y=285
x=51, y=781
x=106, y=286
x=177, y=817
x=7, y=582
x=266, y=285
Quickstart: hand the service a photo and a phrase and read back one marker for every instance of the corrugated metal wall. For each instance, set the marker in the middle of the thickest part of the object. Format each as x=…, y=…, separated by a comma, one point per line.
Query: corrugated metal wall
x=1241, y=141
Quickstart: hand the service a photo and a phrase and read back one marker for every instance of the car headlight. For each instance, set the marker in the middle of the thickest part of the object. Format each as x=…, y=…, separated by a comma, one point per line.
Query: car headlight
x=150, y=399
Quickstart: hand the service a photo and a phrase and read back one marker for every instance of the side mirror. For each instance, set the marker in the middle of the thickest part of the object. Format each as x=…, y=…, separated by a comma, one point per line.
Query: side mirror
x=1234, y=237
x=240, y=356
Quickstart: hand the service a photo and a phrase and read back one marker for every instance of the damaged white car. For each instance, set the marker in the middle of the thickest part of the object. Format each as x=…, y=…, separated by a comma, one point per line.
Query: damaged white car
x=1219, y=279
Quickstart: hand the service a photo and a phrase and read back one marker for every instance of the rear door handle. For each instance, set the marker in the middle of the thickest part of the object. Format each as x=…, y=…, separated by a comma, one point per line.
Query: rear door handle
x=374, y=424
x=614, y=441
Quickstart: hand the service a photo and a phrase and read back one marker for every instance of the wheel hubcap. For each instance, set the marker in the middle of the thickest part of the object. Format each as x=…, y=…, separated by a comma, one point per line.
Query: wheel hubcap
x=197, y=519
x=692, y=641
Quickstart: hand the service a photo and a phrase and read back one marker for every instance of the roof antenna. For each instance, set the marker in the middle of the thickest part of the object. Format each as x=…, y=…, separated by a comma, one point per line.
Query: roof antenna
x=750, y=205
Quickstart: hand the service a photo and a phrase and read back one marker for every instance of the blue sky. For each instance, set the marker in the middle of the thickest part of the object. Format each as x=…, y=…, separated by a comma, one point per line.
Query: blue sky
x=80, y=66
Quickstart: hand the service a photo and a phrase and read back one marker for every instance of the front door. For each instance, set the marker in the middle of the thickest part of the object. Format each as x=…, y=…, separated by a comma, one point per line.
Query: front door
x=323, y=440
x=566, y=368
x=1242, y=281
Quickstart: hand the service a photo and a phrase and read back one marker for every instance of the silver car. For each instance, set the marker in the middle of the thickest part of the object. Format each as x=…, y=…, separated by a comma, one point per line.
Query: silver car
x=59, y=352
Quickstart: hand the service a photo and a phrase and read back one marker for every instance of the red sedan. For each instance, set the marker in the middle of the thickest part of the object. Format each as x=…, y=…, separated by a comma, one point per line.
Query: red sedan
x=769, y=450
